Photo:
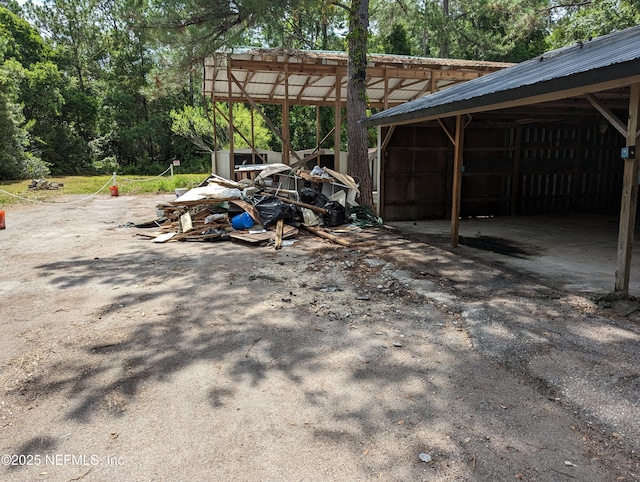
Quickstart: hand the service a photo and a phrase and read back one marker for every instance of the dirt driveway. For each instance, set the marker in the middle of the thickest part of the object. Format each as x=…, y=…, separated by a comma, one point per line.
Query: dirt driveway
x=121, y=359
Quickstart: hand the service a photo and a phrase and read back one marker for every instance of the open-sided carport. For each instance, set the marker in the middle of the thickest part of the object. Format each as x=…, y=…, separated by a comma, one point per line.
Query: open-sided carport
x=555, y=134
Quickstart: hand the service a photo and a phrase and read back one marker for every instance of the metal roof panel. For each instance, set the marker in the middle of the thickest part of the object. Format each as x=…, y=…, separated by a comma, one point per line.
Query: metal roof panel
x=600, y=60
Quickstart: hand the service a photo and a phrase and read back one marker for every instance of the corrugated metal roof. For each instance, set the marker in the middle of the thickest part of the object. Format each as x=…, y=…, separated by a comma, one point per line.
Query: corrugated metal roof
x=312, y=76
x=602, y=63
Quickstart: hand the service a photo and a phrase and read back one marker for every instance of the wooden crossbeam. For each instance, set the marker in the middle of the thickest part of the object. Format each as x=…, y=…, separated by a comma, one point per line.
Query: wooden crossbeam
x=607, y=114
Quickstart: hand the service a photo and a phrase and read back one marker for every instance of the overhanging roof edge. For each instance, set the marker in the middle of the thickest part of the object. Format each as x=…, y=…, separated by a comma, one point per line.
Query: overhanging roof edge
x=563, y=87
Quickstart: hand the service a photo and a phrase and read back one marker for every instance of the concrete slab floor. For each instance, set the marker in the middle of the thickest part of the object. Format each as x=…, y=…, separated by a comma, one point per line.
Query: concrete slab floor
x=577, y=253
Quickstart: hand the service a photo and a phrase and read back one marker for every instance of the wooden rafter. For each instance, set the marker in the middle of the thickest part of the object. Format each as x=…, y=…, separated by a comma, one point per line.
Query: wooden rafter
x=302, y=89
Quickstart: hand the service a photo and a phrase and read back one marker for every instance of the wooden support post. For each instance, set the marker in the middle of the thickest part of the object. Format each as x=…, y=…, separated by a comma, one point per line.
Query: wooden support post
x=286, y=141
x=515, y=176
x=457, y=181
x=232, y=164
x=253, y=137
x=214, y=156
x=318, y=129
x=629, y=198
x=386, y=89
x=337, y=119
x=378, y=173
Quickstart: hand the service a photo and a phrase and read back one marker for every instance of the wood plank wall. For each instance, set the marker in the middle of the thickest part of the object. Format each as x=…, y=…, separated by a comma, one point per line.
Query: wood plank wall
x=508, y=170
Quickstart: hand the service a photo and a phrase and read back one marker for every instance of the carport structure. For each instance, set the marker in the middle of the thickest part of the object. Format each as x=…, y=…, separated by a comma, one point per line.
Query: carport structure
x=319, y=78
x=555, y=134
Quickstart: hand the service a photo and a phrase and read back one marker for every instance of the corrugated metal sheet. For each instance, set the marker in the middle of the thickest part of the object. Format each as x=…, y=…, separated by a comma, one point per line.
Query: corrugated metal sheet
x=573, y=70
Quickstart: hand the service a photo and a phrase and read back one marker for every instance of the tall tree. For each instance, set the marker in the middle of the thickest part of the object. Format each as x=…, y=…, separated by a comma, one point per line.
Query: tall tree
x=359, y=166
x=23, y=64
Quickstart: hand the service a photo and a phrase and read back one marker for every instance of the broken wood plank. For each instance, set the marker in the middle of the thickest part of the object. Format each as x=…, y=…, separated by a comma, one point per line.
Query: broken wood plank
x=202, y=201
x=279, y=231
x=323, y=234
x=249, y=208
x=304, y=205
x=266, y=236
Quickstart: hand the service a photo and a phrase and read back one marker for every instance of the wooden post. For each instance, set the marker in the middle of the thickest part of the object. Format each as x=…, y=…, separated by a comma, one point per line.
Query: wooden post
x=232, y=163
x=515, y=176
x=629, y=198
x=386, y=89
x=337, y=119
x=286, y=144
x=318, y=129
x=214, y=156
x=253, y=137
x=457, y=181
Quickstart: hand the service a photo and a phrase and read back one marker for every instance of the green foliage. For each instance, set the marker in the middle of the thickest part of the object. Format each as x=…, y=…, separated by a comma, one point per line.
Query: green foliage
x=593, y=20
x=196, y=124
x=17, y=160
x=196, y=27
x=306, y=24
x=397, y=42
x=24, y=43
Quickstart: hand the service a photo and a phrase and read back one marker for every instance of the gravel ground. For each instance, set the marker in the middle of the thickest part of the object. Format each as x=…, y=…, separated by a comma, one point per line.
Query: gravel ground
x=121, y=359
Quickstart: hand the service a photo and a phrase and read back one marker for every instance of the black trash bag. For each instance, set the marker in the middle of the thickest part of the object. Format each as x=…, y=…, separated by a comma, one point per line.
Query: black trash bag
x=335, y=215
x=311, y=196
x=270, y=209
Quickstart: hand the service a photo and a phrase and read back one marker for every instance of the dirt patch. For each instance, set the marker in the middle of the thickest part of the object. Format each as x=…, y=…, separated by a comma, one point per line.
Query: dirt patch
x=123, y=359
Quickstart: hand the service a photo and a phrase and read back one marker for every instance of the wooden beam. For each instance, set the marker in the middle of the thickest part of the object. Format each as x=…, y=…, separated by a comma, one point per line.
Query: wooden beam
x=230, y=103
x=629, y=198
x=446, y=131
x=610, y=116
x=286, y=134
x=317, y=127
x=457, y=181
x=337, y=119
x=385, y=101
x=528, y=101
x=303, y=89
x=214, y=157
x=515, y=177
x=253, y=136
x=387, y=138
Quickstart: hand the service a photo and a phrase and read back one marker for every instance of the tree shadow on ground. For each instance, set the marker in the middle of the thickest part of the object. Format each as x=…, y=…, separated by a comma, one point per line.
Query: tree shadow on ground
x=233, y=307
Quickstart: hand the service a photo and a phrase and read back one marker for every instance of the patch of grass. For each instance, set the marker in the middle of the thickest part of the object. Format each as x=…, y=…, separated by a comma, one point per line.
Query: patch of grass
x=91, y=184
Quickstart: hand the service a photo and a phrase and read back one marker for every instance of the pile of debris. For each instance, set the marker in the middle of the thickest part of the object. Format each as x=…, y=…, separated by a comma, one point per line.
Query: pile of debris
x=268, y=209
x=43, y=185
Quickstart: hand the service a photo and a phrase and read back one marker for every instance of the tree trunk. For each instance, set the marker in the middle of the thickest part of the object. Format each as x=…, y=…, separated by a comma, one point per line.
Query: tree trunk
x=356, y=100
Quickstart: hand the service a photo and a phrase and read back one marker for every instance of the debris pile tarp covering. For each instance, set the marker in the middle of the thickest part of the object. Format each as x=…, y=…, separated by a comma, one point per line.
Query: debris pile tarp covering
x=270, y=209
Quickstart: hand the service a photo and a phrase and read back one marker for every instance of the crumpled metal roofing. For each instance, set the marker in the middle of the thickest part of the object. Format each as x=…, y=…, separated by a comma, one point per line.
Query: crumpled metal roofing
x=588, y=66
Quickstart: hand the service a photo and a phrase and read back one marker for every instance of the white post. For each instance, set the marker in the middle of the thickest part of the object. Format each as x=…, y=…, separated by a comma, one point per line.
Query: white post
x=113, y=179
x=171, y=166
